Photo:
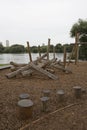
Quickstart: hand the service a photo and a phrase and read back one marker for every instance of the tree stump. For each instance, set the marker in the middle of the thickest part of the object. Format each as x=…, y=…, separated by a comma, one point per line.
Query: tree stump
x=60, y=94
x=45, y=103
x=25, y=108
x=46, y=93
x=77, y=91
x=24, y=96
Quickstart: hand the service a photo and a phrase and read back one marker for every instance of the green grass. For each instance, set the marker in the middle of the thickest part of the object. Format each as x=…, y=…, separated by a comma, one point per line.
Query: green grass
x=3, y=64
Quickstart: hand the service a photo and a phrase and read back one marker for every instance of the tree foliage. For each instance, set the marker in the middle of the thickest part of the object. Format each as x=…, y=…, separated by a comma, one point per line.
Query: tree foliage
x=1, y=48
x=17, y=49
x=81, y=28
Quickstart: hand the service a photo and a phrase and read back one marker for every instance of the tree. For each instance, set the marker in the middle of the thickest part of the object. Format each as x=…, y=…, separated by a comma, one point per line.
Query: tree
x=1, y=48
x=59, y=48
x=17, y=49
x=81, y=28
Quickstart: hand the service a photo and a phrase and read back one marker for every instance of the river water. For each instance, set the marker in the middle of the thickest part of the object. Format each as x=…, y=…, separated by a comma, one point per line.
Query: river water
x=24, y=58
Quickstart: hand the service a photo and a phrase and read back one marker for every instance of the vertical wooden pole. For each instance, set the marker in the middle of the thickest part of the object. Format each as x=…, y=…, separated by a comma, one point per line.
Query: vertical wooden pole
x=39, y=51
x=54, y=52
x=30, y=58
x=76, y=47
x=64, y=59
x=48, y=48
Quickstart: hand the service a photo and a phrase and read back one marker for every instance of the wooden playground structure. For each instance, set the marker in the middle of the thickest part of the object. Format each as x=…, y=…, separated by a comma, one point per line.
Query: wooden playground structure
x=43, y=64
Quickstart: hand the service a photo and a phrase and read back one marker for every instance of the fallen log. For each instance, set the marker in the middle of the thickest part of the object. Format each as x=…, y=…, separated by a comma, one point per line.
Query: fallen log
x=27, y=72
x=40, y=65
x=62, y=68
x=16, y=64
x=40, y=58
x=14, y=73
x=43, y=71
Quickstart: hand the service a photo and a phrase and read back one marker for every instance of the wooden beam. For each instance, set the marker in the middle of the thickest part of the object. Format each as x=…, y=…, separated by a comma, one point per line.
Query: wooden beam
x=39, y=51
x=43, y=71
x=48, y=49
x=30, y=57
x=64, y=58
x=54, y=52
x=76, y=47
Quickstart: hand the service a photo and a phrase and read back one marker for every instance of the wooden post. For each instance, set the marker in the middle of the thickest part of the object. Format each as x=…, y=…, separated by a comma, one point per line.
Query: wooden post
x=64, y=60
x=76, y=47
x=48, y=48
x=54, y=52
x=29, y=51
x=39, y=51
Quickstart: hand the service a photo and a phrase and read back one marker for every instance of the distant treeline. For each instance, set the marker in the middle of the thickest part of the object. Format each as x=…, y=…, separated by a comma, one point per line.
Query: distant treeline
x=59, y=48
x=16, y=48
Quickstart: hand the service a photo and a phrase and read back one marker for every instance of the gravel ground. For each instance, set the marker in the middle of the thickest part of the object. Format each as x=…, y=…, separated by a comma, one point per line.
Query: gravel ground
x=72, y=118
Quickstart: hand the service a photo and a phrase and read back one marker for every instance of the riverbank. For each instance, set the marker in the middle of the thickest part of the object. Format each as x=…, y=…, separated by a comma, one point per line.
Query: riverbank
x=74, y=118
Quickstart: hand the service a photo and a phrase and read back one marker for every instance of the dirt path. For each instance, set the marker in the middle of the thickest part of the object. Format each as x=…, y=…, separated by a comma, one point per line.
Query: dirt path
x=73, y=118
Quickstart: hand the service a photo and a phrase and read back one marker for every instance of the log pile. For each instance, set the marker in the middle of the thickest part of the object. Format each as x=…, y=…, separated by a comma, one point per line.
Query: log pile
x=42, y=65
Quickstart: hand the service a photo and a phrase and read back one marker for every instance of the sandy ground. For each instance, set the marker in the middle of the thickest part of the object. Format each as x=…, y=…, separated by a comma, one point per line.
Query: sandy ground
x=72, y=118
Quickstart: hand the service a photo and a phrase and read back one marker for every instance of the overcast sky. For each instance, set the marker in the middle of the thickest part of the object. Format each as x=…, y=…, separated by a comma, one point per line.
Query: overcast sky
x=37, y=20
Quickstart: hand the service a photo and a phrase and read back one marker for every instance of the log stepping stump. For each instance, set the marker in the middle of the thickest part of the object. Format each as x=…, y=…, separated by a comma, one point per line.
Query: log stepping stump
x=46, y=92
x=24, y=96
x=60, y=95
x=25, y=108
x=77, y=91
x=45, y=102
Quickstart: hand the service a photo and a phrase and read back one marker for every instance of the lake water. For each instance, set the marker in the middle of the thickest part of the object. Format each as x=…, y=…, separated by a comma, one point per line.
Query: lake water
x=24, y=58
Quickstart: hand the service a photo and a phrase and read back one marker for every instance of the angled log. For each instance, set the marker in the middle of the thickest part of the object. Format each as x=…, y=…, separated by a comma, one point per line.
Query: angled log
x=13, y=74
x=43, y=71
x=29, y=52
x=40, y=58
x=21, y=69
x=62, y=68
x=27, y=72
x=16, y=64
x=13, y=68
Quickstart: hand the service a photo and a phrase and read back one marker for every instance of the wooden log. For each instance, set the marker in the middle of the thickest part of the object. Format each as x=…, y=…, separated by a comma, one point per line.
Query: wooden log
x=62, y=68
x=13, y=68
x=29, y=51
x=16, y=64
x=43, y=71
x=50, y=70
x=21, y=69
x=13, y=74
x=76, y=47
x=70, y=56
x=40, y=58
x=48, y=49
x=64, y=58
x=39, y=51
x=27, y=72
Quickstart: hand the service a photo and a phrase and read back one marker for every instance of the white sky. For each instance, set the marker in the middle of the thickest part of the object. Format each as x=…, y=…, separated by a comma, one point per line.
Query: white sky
x=37, y=20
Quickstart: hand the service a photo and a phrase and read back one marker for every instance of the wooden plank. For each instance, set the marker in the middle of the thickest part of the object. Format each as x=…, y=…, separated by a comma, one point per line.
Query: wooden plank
x=43, y=71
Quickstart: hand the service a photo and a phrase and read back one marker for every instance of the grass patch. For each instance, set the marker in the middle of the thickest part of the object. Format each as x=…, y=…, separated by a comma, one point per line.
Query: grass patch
x=3, y=64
